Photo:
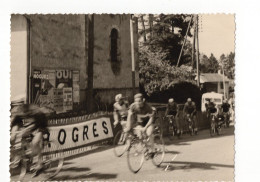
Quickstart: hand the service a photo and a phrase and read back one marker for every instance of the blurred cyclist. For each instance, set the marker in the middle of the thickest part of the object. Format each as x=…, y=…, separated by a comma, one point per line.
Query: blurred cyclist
x=120, y=110
x=172, y=111
x=190, y=110
x=28, y=120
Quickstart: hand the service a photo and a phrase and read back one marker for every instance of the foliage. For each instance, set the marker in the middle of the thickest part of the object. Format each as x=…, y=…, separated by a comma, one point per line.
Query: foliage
x=157, y=75
x=167, y=35
x=229, y=64
x=209, y=65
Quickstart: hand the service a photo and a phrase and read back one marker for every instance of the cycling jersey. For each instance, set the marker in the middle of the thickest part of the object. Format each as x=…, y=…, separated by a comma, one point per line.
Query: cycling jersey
x=122, y=110
x=189, y=108
x=225, y=107
x=140, y=113
x=171, y=109
x=28, y=115
x=211, y=107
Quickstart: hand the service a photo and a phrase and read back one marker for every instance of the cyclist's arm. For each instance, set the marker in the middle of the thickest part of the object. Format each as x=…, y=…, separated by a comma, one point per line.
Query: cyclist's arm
x=129, y=122
x=166, y=112
x=116, y=117
x=150, y=120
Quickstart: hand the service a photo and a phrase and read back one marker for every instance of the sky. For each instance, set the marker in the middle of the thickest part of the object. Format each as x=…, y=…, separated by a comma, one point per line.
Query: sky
x=217, y=34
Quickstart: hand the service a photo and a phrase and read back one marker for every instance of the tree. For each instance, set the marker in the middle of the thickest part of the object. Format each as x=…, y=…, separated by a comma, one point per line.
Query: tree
x=209, y=65
x=157, y=75
x=229, y=64
x=167, y=34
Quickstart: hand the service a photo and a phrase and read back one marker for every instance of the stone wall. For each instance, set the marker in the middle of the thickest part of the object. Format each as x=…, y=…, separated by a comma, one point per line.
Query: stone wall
x=58, y=42
x=103, y=74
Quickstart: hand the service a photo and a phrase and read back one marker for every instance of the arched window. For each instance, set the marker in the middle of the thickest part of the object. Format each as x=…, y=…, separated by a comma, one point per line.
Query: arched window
x=115, y=51
x=114, y=46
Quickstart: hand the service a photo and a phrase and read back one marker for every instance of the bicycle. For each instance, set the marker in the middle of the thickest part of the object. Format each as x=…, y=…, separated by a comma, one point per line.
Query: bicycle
x=140, y=150
x=190, y=124
x=173, y=126
x=52, y=161
x=226, y=119
x=215, y=124
x=120, y=145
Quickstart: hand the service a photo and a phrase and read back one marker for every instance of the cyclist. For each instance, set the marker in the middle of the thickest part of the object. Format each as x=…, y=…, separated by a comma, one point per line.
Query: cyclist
x=225, y=109
x=141, y=115
x=190, y=110
x=172, y=111
x=120, y=110
x=29, y=121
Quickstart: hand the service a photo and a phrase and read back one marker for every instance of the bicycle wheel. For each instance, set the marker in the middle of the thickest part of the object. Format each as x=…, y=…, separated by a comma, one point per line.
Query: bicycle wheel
x=53, y=160
x=212, y=129
x=120, y=143
x=135, y=155
x=159, y=150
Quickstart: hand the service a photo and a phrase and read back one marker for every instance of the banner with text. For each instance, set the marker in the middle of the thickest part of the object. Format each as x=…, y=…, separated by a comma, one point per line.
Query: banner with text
x=81, y=134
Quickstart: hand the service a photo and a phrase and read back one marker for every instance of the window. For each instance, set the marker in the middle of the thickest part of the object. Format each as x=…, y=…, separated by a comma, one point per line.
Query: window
x=115, y=51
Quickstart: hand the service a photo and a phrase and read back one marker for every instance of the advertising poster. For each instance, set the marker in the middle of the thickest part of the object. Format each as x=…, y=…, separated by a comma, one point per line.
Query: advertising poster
x=36, y=85
x=63, y=78
x=75, y=86
x=67, y=99
x=58, y=100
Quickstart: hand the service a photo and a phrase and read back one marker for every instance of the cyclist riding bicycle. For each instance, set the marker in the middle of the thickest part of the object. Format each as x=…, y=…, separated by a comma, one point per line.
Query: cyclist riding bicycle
x=28, y=121
x=141, y=115
x=225, y=108
x=120, y=110
x=190, y=110
x=210, y=107
x=172, y=111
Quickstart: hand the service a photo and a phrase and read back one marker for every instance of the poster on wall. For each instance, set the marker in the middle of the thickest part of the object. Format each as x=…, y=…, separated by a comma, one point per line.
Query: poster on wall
x=36, y=85
x=67, y=99
x=63, y=78
x=75, y=86
x=57, y=89
x=58, y=100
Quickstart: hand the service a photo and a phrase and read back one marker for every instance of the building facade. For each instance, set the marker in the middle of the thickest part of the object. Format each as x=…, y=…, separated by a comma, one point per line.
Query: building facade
x=72, y=61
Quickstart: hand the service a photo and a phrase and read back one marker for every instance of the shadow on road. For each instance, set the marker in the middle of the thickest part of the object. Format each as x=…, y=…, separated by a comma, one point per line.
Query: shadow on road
x=92, y=176
x=95, y=150
x=183, y=165
x=202, y=135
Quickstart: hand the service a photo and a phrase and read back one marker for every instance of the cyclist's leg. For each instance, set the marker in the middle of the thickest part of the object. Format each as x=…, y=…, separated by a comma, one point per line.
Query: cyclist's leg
x=149, y=133
x=177, y=123
x=128, y=140
x=195, y=124
x=37, y=148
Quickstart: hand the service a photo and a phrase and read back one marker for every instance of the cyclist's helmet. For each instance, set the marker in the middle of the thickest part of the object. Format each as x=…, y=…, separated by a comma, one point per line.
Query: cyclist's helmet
x=189, y=100
x=171, y=100
x=139, y=95
x=118, y=97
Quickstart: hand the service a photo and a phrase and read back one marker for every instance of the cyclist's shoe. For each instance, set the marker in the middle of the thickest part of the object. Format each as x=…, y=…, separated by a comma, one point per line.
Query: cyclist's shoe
x=38, y=170
x=15, y=163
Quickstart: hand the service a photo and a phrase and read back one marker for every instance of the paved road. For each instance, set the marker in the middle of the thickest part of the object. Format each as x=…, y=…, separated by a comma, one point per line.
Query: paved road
x=197, y=158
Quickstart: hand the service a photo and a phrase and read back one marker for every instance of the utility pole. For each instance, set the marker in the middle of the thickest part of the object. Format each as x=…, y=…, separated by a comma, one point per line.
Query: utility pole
x=223, y=75
x=197, y=50
x=193, y=43
x=178, y=62
x=132, y=55
x=89, y=48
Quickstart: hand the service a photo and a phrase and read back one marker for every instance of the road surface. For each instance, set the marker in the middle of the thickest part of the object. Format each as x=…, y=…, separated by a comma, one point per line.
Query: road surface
x=192, y=158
